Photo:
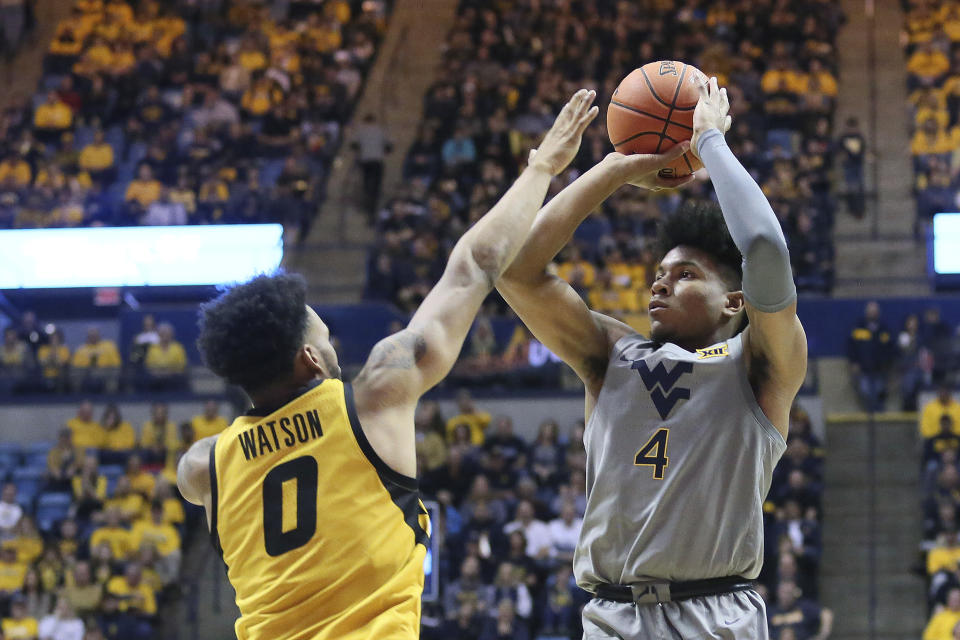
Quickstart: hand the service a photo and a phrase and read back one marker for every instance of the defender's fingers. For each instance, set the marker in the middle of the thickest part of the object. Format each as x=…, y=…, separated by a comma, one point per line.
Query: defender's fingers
x=714, y=88
x=724, y=101
x=704, y=89
x=532, y=153
x=727, y=123
x=673, y=152
x=587, y=118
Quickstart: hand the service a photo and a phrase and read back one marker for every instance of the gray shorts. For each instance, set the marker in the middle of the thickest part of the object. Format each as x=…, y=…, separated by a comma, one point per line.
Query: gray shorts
x=739, y=615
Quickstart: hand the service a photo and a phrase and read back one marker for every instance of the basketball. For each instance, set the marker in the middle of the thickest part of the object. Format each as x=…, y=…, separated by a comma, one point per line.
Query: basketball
x=652, y=110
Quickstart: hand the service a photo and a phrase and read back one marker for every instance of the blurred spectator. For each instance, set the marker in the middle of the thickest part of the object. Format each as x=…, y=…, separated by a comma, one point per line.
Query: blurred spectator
x=52, y=118
x=466, y=624
x=870, y=351
x=89, y=488
x=61, y=624
x=537, y=533
x=30, y=331
x=127, y=502
x=431, y=445
x=372, y=146
x=82, y=592
x=945, y=439
x=155, y=532
x=12, y=572
x=166, y=360
x=87, y=432
x=96, y=362
x=164, y=211
x=565, y=533
x=37, y=602
x=113, y=533
x=62, y=461
x=507, y=586
x=53, y=359
x=146, y=337
x=19, y=624
x=560, y=607
x=119, y=435
x=467, y=588
x=10, y=511
x=16, y=360
x=804, y=618
x=852, y=147
x=97, y=159
x=142, y=191
x=210, y=422
x=511, y=447
x=504, y=625
x=941, y=626
x=159, y=436
x=476, y=421
x=933, y=412
x=141, y=480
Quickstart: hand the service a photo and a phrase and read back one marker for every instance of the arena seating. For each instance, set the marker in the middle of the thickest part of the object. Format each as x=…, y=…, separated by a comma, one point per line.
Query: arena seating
x=940, y=481
x=933, y=79
x=151, y=116
x=105, y=538
x=497, y=93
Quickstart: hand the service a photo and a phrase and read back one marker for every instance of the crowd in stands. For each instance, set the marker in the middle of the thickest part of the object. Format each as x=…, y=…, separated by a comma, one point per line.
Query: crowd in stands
x=933, y=79
x=215, y=112
x=940, y=482
x=92, y=527
x=508, y=68
x=923, y=353
x=35, y=358
x=511, y=512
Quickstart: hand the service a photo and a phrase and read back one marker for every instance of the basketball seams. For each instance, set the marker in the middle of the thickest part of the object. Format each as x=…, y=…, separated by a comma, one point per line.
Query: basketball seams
x=653, y=91
x=676, y=93
x=648, y=114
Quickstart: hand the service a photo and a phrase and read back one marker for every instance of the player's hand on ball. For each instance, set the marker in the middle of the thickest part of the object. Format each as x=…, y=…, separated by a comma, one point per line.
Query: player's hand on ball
x=562, y=141
x=643, y=170
x=711, y=112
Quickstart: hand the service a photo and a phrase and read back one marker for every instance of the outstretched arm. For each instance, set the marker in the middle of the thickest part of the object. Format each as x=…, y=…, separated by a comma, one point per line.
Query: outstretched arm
x=554, y=312
x=774, y=338
x=403, y=366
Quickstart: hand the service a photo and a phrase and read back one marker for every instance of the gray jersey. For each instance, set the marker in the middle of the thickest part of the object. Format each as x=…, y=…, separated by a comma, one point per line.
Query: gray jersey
x=679, y=460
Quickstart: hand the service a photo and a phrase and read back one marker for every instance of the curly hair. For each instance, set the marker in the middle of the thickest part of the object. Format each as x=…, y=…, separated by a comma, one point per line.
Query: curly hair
x=700, y=224
x=250, y=334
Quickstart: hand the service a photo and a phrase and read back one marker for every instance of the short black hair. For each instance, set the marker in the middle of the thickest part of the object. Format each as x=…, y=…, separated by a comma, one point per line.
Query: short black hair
x=699, y=224
x=250, y=334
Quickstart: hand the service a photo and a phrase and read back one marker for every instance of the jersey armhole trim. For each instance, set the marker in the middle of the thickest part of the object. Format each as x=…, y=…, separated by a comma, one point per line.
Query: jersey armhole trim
x=214, y=534
x=751, y=398
x=383, y=469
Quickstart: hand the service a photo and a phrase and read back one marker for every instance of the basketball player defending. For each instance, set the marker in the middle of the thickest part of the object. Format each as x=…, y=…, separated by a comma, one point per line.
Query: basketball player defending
x=684, y=428
x=312, y=496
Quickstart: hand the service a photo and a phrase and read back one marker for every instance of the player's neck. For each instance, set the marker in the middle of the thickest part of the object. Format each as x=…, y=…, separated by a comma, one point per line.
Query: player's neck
x=281, y=393
x=722, y=333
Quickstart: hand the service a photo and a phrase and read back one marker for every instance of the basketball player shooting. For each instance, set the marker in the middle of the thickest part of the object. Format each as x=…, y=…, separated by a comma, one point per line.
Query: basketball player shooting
x=311, y=496
x=685, y=427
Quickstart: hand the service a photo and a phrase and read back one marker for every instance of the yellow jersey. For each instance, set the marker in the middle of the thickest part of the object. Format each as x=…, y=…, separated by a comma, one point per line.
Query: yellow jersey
x=321, y=538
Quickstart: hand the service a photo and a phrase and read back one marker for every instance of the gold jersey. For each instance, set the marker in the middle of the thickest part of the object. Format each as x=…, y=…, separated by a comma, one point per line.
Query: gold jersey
x=321, y=538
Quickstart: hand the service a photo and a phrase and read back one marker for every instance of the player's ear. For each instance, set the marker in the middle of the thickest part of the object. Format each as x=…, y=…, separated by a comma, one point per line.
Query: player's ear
x=734, y=303
x=308, y=358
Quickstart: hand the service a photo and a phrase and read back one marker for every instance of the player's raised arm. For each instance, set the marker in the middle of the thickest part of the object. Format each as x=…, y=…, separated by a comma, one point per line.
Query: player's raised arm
x=775, y=338
x=554, y=312
x=403, y=366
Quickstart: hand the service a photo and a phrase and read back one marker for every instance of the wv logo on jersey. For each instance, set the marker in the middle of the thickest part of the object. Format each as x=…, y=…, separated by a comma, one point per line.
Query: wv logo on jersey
x=660, y=383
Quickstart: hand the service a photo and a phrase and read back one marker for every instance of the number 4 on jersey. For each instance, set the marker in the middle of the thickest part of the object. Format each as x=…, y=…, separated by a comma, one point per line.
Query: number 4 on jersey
x=654, y=454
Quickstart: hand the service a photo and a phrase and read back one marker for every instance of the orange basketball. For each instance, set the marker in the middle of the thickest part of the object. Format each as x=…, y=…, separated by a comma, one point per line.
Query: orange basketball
x=652, y=110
